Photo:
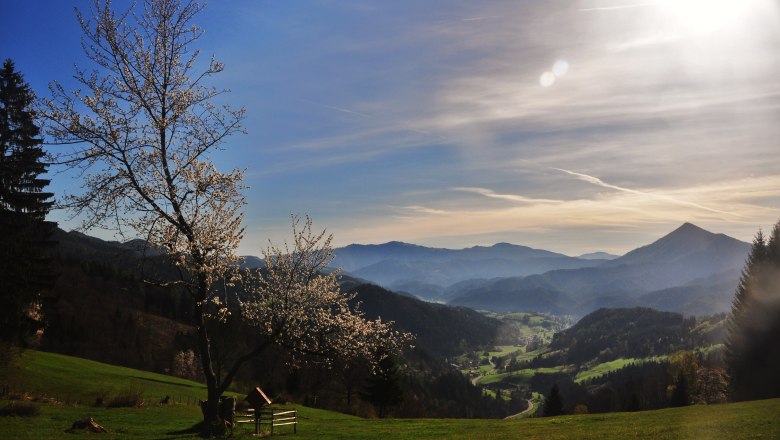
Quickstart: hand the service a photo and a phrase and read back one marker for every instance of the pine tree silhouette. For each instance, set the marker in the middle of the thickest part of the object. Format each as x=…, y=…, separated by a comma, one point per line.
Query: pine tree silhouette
x=24, y=232
x=752, y=357
x=553, y=403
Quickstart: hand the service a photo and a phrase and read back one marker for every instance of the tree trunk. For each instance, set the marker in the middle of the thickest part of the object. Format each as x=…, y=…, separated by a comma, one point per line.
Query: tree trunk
x=210, y=407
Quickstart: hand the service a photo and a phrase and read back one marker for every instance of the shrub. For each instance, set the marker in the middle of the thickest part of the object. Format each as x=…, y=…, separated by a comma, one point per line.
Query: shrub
x=581, y=409
x=20, y=409
x=102, y=397
x=127, y=399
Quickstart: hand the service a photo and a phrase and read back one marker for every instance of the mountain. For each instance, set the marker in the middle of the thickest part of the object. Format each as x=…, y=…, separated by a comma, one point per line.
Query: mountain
x=689, y=259
x=356, y=256
x=100, y=307
x=598, y=256
x=687, y=253
x=439, y=329
x=251, y=262
x=425, y=272
x=705, y=296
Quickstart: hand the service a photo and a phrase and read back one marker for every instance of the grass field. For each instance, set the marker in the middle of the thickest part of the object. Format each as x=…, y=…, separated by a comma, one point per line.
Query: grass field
x=604, y=368
x=519, y=374
x=748, y=420
x=71, y=380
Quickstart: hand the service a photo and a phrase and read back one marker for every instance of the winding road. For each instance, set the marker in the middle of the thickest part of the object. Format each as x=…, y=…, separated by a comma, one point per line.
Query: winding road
x=522, y=413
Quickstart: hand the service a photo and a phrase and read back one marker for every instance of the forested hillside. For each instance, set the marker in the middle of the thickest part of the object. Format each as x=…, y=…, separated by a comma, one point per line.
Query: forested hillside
x=609, y=334
x=102, y=309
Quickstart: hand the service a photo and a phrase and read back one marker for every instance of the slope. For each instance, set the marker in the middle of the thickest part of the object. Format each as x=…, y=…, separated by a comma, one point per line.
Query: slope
x=701, y=422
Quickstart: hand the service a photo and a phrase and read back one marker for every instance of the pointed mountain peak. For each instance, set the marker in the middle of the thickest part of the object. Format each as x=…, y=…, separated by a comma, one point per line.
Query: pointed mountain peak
x=685, y=240
x=689, y=228
x=687, y=232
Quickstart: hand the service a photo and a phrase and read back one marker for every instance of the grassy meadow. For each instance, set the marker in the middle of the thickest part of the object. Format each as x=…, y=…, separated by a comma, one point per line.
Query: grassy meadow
x=44, y=372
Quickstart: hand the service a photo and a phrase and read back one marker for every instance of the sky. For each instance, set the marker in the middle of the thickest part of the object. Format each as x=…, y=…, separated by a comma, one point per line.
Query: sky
x=573, y=126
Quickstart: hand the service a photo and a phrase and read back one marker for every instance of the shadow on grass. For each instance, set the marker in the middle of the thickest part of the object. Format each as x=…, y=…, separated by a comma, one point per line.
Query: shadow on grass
x=168, y=382
x=198, y=429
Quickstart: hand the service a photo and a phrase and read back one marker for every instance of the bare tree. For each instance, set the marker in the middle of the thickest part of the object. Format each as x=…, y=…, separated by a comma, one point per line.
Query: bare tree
x=141, y=128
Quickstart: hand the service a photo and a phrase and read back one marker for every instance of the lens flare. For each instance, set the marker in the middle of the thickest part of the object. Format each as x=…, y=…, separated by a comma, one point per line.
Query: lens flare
x=547, y=79
x=560, y=68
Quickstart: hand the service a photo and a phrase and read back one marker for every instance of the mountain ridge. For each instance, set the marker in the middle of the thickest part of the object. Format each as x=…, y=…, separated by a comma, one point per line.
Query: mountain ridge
x=685, y=255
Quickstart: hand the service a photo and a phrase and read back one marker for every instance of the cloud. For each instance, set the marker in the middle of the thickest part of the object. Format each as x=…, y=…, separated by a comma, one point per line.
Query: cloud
x=338, y=109
x=511, y=197
x=619, y=7
x=622, y=219
x=425, y=210
x=599, y=182
x=677, y=127
x=489, y=17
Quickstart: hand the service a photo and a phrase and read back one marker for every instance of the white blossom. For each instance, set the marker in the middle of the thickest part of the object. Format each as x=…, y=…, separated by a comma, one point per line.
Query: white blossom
x=296, y=302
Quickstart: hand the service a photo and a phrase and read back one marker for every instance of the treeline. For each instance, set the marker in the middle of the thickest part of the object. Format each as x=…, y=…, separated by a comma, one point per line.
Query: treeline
x=609, y=334
x=406, y=388
x=684, y=379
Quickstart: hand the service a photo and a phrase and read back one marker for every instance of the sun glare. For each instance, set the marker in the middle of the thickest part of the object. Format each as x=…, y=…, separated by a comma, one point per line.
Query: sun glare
x=711, y=16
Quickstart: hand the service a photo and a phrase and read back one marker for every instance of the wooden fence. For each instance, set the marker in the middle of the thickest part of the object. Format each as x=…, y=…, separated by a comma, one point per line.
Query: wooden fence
x=270, y=417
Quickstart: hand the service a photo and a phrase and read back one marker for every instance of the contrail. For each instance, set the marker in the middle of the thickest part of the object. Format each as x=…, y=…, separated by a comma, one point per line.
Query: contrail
x=338, y=109
x=599, y=182
x=618, y=7
x=490, y=17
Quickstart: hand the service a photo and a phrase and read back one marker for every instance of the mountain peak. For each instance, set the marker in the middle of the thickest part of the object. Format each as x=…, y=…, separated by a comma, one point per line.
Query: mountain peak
x=687, y=239
x=690, y=228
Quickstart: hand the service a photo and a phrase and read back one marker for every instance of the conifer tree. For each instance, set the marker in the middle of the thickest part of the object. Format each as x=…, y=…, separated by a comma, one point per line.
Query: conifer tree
x=553, y=403
x=383, y=388
x=680, y=396
x=752, y=357
x=24, y=232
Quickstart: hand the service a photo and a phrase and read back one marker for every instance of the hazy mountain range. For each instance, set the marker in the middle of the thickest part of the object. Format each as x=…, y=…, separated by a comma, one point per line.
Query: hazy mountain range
x=690, y=270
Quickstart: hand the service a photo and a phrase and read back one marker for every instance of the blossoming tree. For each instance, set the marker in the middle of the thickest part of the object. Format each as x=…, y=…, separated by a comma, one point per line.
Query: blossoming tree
x=141, y=128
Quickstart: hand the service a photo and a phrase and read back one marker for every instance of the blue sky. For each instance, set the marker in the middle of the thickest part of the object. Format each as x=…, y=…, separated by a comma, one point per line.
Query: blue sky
x=573, y=126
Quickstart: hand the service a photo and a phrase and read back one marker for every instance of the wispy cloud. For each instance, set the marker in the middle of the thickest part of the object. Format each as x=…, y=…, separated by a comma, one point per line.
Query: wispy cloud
x=635, y=213
x=338, y=109
x=511, y=197
x=599, y=182
x=619, y=7
x=489, y=17
x=671, y=127
x=425, y=210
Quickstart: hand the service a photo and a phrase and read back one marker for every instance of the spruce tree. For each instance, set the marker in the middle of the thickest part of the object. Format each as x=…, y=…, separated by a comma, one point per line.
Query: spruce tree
x=383, y=388
x=752, y=357
x=553, y=403
x=680, y=396
x=24, y=232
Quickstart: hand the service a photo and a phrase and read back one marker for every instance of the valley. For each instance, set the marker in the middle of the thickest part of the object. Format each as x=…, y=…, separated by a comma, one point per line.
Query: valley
x=465, y=363
x=583, y=355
